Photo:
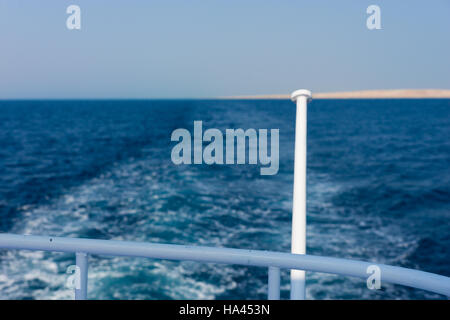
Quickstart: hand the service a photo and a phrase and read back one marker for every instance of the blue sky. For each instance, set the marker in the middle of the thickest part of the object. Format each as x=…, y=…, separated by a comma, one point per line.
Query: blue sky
x=210, y=48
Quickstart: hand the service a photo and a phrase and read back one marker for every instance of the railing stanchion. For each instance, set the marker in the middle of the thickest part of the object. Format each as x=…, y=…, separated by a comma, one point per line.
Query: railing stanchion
x=298, y=240
x=273, y=291
x=82, y=266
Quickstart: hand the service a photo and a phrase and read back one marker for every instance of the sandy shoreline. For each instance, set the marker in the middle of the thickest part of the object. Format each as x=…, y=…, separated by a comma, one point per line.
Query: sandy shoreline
x=364, y=94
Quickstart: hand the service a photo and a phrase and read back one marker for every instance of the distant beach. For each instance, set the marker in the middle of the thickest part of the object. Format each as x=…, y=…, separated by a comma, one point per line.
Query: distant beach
x=364, y=94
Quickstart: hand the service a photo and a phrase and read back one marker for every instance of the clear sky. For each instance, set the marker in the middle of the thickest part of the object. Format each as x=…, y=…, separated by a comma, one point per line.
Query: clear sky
x=210, y=48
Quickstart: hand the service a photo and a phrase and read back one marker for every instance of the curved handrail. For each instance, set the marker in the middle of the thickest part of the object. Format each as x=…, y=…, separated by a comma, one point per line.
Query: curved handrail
x=345, y=267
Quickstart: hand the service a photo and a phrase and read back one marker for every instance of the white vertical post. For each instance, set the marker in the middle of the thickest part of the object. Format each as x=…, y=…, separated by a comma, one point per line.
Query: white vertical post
x=82, y=265
x=298, y=240
x=273, y=291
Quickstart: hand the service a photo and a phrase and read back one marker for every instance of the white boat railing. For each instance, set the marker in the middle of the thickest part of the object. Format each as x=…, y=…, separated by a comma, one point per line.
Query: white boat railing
x=274, y=261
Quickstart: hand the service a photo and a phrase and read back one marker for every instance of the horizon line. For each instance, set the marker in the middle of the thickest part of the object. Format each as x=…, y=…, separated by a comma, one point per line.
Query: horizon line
x=357, y=94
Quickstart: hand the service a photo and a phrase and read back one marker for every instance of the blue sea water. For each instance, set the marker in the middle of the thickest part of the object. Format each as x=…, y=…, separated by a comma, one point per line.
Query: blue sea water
x=378, y=190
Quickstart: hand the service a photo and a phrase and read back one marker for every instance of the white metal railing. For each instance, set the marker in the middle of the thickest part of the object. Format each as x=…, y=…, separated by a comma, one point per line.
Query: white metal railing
x=274, y=261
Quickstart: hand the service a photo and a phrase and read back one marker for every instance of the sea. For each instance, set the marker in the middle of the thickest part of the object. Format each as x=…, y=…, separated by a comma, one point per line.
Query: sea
x=378, y=189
